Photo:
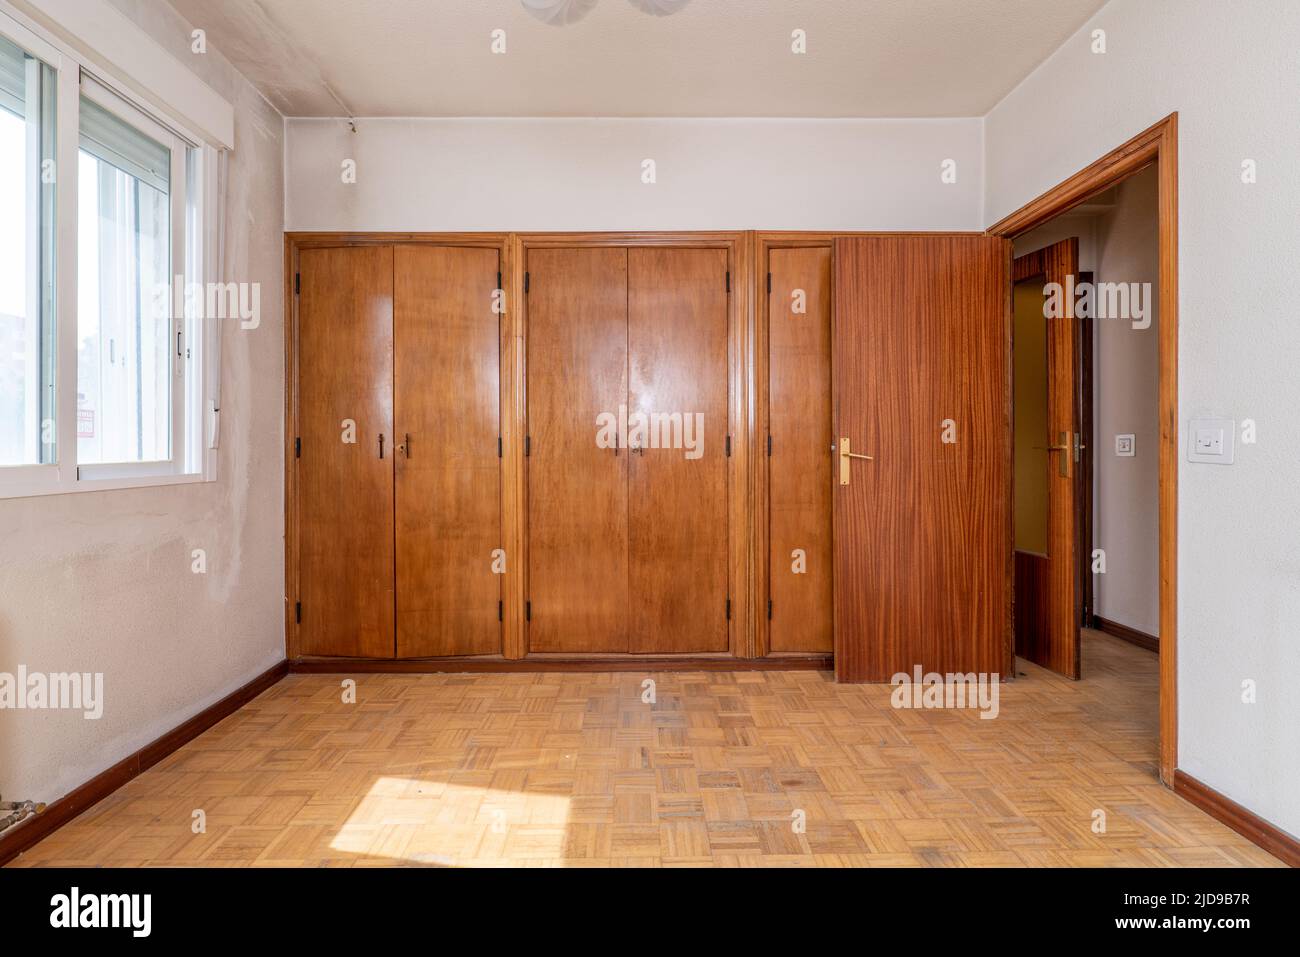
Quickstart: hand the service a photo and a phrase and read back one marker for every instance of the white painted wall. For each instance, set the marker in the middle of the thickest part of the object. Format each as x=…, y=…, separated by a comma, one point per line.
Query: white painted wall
x=585, y=174
x=101, y=581
x=1229, y=70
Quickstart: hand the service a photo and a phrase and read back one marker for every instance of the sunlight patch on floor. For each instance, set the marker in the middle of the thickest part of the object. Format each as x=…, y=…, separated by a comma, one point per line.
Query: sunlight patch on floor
x=437, y=822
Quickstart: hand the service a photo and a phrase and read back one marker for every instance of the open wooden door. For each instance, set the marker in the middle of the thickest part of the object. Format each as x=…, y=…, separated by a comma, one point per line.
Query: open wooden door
x=922, y=511
x=1047, y=457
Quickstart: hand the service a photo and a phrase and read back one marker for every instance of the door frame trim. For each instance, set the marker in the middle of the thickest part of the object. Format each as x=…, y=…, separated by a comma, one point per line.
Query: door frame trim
x=1157, y=145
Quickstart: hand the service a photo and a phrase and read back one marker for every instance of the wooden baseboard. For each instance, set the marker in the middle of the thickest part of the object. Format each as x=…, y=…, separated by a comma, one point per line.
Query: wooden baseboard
x=1134, y=637
x=638, y=663
x=1285, y=847
x=29, y=832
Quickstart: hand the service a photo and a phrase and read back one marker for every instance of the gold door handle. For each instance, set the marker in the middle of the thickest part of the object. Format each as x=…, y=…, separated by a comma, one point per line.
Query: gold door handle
x=1062, y=446
x=846, y=457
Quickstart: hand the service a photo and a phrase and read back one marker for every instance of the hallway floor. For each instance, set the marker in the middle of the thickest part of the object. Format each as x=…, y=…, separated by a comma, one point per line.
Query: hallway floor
x=574, y=770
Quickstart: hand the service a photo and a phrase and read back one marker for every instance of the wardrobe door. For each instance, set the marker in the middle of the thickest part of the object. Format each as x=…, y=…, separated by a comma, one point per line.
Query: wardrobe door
x=799, y=460
x=577, y=490
x=678, y=517
x=345, y=465
x=447, y=414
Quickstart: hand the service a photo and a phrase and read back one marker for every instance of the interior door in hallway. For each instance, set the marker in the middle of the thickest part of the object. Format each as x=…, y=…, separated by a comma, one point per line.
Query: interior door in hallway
x=577, y=490
x=799, y=456
x=345, y=463
x=922, y=550
x=1048, y=593
x=447, y=413
x=677, y=333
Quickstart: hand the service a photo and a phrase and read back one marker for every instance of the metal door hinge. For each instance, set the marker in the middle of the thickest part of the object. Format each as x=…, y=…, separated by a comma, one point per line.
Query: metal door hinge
x=728, y=280
x=498, y=279
x=728, y=609
x=297, y=283
x=501, y=610
x=527, y=282
x=297, y=448
x=528, y=445
x=769, y=284
x=769, y=443
x=528, y=611
x=769, y=609
x=297, y=612
x=498, y=446
x=728, y=446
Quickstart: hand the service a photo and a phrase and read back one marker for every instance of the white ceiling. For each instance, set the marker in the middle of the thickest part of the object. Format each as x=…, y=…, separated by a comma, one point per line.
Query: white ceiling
x=866, y=58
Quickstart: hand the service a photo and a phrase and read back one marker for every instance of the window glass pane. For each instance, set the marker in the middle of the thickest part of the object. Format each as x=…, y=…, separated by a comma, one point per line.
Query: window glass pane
x=27, y=432
x=124, y=369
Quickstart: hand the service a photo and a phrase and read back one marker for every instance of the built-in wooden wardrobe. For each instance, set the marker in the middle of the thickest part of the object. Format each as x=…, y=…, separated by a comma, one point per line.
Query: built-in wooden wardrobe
x=797, y=460
x=645, y=450
x=396, y=461
x=628, y=541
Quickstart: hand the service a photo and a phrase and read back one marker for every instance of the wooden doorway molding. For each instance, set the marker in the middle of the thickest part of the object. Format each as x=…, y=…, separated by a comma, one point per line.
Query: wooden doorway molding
x=1156, y=146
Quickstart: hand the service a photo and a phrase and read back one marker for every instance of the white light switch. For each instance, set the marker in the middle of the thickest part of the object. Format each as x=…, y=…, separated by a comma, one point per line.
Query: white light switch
x=1125, y=445
x=1211, y=441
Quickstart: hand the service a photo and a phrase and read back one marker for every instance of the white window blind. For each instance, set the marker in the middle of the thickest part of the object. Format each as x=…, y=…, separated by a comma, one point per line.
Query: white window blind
x=13, y=78
x=107, y=138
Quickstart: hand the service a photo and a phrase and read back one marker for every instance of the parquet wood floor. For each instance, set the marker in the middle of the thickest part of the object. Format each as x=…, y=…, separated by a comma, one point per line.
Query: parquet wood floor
x=575, y=770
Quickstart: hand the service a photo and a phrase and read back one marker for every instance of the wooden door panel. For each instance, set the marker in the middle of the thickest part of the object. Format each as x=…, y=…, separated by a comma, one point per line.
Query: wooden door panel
x=677, y=330
x=922, y=533
x=447, y=412
x=1049, y=633
x=345, y=489
x=577, y=491
x=800, y=463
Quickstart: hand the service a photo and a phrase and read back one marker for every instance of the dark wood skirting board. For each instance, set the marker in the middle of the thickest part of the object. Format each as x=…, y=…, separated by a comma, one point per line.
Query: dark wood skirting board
x=1134, y=637
x=22, y=836
x=596, y=663
x=1285, y=847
